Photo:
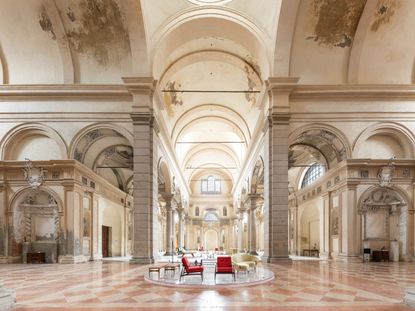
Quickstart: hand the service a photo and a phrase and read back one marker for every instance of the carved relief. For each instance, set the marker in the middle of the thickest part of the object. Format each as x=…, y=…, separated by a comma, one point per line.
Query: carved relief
x=385, y=175
x=382, y=198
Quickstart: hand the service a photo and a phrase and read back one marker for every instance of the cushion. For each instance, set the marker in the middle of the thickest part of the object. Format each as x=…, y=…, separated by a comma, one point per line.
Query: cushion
x=224, y=269
x=194, y=269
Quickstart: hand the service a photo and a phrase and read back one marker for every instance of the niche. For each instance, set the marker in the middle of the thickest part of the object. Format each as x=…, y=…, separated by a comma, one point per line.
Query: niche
x=36, y=225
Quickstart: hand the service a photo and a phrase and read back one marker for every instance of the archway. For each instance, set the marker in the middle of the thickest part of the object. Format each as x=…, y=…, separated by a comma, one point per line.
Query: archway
x=384, y=221
x=211, y=239
x=35, y=225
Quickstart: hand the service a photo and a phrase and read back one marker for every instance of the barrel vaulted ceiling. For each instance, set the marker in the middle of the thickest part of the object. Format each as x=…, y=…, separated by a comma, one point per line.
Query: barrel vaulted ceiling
x=205, y=55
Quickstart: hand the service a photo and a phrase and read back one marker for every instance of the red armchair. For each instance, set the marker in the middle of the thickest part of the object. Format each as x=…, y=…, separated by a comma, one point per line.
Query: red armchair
x=224, y=266
x=190, y=270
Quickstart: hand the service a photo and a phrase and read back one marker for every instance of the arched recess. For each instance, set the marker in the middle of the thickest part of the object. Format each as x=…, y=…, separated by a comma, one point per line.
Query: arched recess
x=36, y=217
x=211, y=239
x=222, y=149
x=107, y=150
x=207, y=27
x=211, y=110
x=237, y=131
x=257, y=177
x=389, y=139
x=164, y=178
x=327, y=140
x=197, y=175
x=385, y=220
x=309, y=228
x=18, y=141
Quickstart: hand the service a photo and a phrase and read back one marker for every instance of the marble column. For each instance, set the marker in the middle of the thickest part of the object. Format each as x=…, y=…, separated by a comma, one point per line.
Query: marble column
x=180, y=211
x=254, y=200
x=240, y=230
x=234, y=223
x=276, y=169
x=145, y=168
x=3, y=227
x=169, y=238
x=187, y=231
x=351, y=236
x=325, y=227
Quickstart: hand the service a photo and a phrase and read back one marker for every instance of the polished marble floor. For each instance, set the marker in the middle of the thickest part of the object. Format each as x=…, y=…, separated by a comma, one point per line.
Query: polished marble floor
x=297, y=286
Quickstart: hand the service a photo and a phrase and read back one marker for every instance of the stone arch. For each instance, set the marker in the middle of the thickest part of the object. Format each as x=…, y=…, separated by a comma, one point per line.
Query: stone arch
x=97, y=126
x=257, y=177
x=397, y=132
x=35, y=221
x=327, y=140
x=183, y=28
x=164, y=178
x=385, y=220
x=22, y=131
x=211, y=238
x=107, y=150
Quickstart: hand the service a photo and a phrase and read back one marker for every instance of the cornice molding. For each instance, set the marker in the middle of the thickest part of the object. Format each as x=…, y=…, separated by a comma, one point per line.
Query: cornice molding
x=49, y=92
x=282, y=84
x=395, y=92
x=140, y=85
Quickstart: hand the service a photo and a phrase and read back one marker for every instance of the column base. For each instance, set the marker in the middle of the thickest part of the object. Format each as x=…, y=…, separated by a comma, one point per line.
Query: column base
x=3, y=259
x=69, y=259
x=7, y=299
x=97, y=257
x=324, y=255
x=349, y=258
x=142, y=260
x=409, y=298
x=281, y=259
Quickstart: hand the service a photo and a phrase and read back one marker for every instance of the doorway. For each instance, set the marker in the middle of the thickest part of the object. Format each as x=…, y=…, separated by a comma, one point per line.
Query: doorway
x=106, y=241
x=211, y=239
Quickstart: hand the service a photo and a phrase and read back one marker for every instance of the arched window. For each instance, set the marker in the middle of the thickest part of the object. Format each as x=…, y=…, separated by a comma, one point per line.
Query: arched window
x=197, y=211
x=211, y=217
x=314, y=172
x=210, y=185
x=225, y=211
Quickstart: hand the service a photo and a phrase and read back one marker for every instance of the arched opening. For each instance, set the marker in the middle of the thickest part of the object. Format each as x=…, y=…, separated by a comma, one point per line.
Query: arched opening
x=106, y=151
x=36, y=226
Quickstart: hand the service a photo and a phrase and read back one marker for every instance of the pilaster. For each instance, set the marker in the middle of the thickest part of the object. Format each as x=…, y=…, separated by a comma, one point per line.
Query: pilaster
x=254, y=201
x=180, y=211
x=169, y=223
x=145, y=170
x=276, y=168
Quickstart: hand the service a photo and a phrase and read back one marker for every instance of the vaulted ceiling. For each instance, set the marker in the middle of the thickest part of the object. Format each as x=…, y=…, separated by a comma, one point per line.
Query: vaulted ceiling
x=210, y=57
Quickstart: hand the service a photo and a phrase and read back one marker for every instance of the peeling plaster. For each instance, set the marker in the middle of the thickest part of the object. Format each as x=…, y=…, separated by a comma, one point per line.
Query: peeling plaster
x=100, y=31
x=46, y=24
x=336, y=21
x=250, y=75
x=172, y=99
x=385, y=9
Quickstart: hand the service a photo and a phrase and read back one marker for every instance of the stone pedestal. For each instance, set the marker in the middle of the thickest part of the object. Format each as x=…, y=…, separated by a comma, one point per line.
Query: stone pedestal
x=394, y=251
x=409, y=298
x=7, y=298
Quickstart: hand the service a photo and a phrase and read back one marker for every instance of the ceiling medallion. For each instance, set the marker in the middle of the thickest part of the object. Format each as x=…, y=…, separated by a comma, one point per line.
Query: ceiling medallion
x=211, y=2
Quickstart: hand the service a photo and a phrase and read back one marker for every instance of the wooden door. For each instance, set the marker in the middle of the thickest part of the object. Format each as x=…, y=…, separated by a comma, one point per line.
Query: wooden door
x=105, y=241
